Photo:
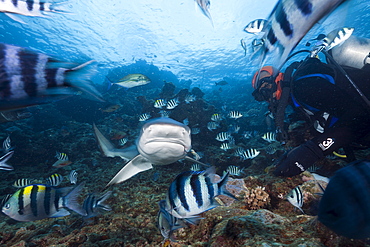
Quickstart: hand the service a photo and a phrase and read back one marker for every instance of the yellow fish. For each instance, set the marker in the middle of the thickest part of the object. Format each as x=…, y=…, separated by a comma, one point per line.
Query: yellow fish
x=133, y=80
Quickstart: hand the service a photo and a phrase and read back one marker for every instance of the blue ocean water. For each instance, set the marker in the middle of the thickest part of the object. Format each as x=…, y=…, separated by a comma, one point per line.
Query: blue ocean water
x=174, y=36
x=167, y=40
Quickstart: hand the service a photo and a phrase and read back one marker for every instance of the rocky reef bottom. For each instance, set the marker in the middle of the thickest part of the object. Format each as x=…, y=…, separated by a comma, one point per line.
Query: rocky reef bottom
x=132, y=222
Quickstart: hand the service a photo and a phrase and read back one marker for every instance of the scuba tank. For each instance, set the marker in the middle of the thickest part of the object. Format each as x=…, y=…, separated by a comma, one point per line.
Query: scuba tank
x=354, y=52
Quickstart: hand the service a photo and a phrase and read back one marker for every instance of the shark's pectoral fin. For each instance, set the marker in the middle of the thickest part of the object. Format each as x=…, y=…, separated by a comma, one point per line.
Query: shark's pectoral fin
x=136, y=165
x=196, y=161
x=110, y=151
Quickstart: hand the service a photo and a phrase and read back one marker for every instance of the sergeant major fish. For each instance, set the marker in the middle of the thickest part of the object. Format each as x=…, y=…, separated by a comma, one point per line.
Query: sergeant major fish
x=27, y=8
x=289, y=21
x=54, y=180
x=161, y=141
x=256, y=26
x=6, y=145
x=171, y=104
x=30, y=78
x=249, y=154
x=145, y=116
x=194, y=192
x=73, y=177
x=38, y=201
x=223, y=136
x=334, y=38
x=22, y=182
x=62, y=161
x=295, y=197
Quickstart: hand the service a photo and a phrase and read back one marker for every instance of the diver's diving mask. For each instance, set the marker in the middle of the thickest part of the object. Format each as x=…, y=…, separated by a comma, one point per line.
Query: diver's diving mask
x=266, y=89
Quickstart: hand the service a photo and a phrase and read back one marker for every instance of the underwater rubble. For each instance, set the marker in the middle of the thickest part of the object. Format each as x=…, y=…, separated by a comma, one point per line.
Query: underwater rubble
x=261, y=216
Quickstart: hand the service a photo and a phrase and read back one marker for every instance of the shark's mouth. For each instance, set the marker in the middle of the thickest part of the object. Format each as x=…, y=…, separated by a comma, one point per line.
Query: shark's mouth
x=168, y=140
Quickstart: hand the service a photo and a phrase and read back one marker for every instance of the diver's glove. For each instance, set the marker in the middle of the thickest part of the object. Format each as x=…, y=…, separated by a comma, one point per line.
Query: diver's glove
x=298, y=159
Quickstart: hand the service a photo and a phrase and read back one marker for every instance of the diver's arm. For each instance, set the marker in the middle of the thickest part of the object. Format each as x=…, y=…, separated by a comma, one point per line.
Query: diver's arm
x=305, y=155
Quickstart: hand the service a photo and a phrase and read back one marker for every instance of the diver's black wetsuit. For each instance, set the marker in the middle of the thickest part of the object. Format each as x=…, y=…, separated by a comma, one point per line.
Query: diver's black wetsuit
x=319, y=88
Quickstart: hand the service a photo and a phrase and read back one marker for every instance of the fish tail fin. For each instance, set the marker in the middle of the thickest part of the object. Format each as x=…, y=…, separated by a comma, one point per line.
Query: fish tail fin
x=55, y=8
x=109, y=150
x=79, y=77
x=4, y=159
x=110, y=83
x=70, y=200
x=100, y=202
x=222, y=187
x=193, y=220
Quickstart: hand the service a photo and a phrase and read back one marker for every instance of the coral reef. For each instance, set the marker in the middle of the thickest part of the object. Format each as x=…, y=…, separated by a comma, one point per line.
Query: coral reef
x=251, y=198
x=256, y=198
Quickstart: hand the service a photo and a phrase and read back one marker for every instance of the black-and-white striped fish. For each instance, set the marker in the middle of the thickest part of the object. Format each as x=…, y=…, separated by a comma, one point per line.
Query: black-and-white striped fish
x=295, y=197
x=334, y=38
x=159, y=103
x=54, y=180
x=22, y=182
x=212, y=125
x=226, y=146
x=4, y=159
x=235, y=114
x=257, y=26
x=73, y=177
x=93, y=205
x=193, y=192
x=122, y=141
x=234, y=128
x=239, y=151
x=269, y=137
x=39, y=201
x=7, y=145
x=171, y=104
x=189, y=98
x=223, y=136
x=195, y=131
x=234, y=170
x=61, y=156
x=216, y=117
x=27, y=8
x=195, y=167
x=145, y=116
x=250, y=154
x=314, y=168
x=30, y=78
x=288, y=23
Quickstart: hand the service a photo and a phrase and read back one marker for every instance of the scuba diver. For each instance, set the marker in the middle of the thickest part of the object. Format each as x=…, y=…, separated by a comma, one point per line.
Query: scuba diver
x=333, y=95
